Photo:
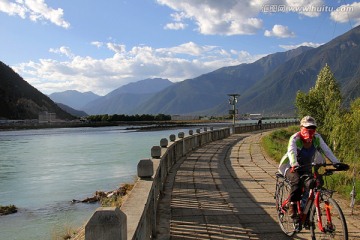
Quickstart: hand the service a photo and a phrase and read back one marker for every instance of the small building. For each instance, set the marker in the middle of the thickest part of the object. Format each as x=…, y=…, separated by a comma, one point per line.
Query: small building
x=255, y=115
x=46, y=117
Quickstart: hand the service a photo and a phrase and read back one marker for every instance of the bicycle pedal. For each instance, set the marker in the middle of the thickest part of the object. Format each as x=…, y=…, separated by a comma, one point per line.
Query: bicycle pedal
x=297, y=227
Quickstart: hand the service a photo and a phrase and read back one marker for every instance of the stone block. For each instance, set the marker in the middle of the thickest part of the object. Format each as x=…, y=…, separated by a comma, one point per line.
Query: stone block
x=156, y=152
x=107, y=223
x=181, y=135
x=145, y=168
x=172, y=137
x=164, y=142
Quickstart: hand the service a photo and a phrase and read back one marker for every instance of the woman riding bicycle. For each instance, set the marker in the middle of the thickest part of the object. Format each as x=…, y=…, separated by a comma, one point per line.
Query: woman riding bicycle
x=304, y=148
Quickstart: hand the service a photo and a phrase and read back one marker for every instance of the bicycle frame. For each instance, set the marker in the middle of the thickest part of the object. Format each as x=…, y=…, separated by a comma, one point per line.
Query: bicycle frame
x=304, y=213
x=314, y=198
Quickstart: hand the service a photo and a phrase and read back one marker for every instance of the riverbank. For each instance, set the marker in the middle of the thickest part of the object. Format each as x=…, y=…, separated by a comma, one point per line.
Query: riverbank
x=133, y=125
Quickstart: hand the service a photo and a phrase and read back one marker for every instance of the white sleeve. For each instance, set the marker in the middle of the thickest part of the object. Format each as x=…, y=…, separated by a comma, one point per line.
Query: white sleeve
x=292, y=151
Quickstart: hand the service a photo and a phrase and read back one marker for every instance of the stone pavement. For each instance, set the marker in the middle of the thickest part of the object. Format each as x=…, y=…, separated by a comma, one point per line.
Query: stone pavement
x=225, y=190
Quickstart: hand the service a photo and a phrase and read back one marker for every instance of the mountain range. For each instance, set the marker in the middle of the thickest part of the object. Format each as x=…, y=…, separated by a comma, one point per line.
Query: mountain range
x=126, y=99
x=73, y=98
x=268, y=85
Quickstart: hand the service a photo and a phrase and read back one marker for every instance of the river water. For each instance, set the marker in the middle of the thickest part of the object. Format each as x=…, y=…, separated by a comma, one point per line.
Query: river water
x=41, y=171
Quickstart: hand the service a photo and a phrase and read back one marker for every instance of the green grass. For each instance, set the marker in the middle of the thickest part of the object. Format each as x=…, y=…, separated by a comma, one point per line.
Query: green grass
x=275, y=143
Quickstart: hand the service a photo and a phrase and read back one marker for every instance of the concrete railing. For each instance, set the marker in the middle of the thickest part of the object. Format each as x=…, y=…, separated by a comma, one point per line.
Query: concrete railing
x=256, y=127
x=136, y=219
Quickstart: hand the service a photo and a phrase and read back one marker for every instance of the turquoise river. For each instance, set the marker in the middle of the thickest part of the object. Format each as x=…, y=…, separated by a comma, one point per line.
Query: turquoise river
x=41, y=171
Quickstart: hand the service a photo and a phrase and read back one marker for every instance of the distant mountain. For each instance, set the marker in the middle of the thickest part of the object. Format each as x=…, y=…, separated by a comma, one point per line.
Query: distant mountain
x=73, y=98
x=72, y=111
x=126, y=99
x=20, y=100
x=276, y=92
x=267, y=86
x=204, y=93
x=146, y=86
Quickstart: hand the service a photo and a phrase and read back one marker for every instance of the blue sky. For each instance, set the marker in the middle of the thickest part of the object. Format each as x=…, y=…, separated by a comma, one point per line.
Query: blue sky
x=99, y=46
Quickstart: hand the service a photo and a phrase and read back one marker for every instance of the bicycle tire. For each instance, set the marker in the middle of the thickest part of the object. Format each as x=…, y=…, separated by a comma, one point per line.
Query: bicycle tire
x=285, y=221
x=335, y=230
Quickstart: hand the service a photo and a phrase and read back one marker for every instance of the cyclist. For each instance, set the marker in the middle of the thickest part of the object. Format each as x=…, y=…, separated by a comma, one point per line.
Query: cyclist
x=304, y=148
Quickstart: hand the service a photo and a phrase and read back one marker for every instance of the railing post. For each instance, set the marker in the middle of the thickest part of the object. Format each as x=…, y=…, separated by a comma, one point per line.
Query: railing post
x=172, y=137
x=106, y=223
x=181, y=135
x=145, y=168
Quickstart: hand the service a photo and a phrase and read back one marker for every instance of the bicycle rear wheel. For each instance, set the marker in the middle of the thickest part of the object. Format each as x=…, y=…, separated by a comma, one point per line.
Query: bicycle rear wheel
x=285, y=221
x=334, y=229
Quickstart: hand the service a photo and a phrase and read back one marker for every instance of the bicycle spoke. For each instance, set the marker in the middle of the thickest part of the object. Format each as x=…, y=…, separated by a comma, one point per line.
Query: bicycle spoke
x=333, y=222
x=285, y=221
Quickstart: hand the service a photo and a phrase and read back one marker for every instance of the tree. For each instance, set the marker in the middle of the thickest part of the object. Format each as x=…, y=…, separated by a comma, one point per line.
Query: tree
x=347, y=133
x=323, y=101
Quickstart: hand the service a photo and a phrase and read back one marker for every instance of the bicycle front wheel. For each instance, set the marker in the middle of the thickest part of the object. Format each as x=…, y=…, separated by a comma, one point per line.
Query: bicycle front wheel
x=332, y=225
x=285, y=221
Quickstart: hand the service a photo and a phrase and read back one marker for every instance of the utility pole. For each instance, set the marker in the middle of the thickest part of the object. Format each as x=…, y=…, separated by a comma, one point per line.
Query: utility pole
x=233, y=100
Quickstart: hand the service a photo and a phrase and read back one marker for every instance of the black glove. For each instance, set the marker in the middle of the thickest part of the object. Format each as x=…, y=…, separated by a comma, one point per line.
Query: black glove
x=341, y=166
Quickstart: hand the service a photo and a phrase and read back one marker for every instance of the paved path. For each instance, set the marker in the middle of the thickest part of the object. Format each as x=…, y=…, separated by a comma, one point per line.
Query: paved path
x=224, y=190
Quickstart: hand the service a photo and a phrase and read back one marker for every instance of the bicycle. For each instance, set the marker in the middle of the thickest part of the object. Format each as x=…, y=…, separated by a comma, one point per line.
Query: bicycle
x=321, y=213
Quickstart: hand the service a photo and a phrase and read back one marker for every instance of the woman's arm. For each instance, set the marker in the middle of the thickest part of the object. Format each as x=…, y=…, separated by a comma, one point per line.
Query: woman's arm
x=327, y=151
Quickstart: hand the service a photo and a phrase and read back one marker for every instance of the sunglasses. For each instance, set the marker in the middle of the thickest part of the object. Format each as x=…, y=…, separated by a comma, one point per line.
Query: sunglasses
x=311, y=127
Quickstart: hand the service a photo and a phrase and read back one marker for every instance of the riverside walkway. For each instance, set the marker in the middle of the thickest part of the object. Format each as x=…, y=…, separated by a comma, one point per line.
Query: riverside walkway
x=224, y=190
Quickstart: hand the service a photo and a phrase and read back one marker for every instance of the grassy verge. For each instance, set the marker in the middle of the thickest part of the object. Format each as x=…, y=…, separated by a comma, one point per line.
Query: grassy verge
x=275, y=145
x=117, y=199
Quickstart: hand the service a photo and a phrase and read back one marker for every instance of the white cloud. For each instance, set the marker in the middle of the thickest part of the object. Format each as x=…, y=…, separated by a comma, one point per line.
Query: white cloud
x=347, y=13
x=12, y=8
x=279, y=31
x=101, y=76
x=178, y=17
x=178, y=24
x=35, y=10
x=175, y=26
x=214, y=17
x=117, y=48
x=218, y=17
x=63, y=51
x=97, y=44
x=189, y=48
x=308, y=44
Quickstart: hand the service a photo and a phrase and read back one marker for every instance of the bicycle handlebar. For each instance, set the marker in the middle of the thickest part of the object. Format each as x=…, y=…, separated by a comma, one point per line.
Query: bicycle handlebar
x=337, y=166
